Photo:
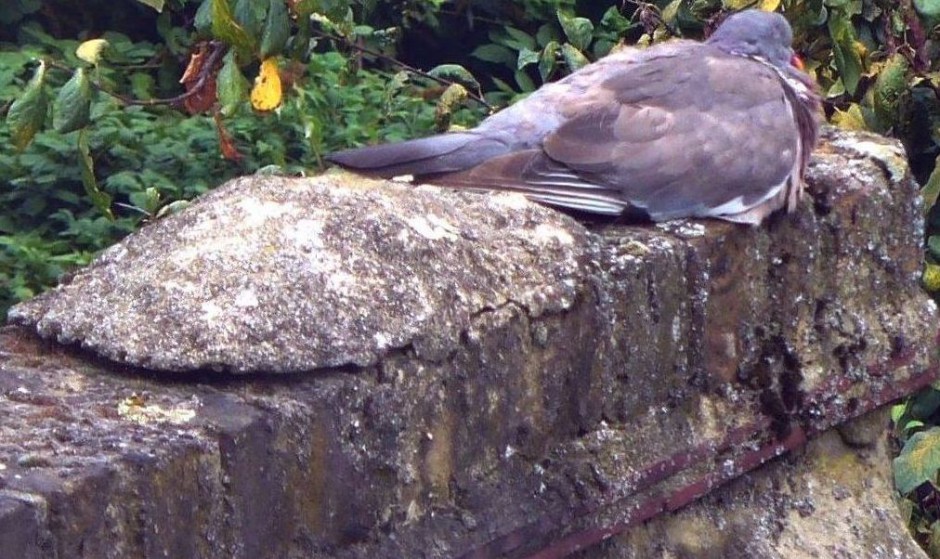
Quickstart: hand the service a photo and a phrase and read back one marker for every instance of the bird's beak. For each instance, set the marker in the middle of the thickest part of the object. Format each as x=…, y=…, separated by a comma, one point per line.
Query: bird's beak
x=796, y=61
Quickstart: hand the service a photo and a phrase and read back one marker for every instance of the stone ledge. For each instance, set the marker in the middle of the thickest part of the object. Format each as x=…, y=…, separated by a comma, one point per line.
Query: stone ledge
x=572, y=390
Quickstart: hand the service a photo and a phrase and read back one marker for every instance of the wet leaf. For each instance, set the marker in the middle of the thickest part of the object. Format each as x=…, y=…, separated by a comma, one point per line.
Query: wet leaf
x=250, y=15
x=930, y=8
x=926, y=402
x=518, y=39
x=203, y=20
x=524, y=82
x=548, y=60
x=266, y=95
x=931, y=277
x=90, y=51
x=226, y=29
x=453, y=96
x=918, y=462
x=72, y=106
x=931, y=189
x=27, y=114
x=852, y=118
x=933, y=541
x=155, y=4
x=671, y=12
x=844, y=50
x=226, y=141
x=232, y=86
x=492, y=52
x=766, y=5
x=578, y=30
x=526, y=57
x=202, y=91
x=890, y=87
x=574, y=58
x=276, y=29
x=455, y=73
x=101, y=200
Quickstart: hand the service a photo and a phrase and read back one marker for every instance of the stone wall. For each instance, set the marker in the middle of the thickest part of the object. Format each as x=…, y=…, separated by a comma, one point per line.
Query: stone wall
x=341, y=368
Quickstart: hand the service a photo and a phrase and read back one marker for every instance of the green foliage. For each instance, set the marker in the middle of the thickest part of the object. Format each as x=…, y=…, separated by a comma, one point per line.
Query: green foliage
x=917, y=467
x=91, y=96
x=563, y=44
x=74, y=189
x=918, y=462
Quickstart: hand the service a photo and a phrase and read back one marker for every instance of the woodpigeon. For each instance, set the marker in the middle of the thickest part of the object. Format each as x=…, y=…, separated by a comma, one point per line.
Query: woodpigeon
x=720, y=129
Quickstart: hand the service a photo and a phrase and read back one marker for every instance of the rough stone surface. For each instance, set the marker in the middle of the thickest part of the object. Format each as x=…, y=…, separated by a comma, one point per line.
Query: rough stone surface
x=835, y=499
x=592, y=379
x=281, y=275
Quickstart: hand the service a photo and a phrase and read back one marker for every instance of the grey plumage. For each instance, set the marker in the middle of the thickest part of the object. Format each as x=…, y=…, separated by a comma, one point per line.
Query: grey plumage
x=718, y=129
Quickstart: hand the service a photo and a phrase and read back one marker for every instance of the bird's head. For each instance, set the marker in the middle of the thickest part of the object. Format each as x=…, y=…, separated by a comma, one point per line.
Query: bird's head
x=757, y=33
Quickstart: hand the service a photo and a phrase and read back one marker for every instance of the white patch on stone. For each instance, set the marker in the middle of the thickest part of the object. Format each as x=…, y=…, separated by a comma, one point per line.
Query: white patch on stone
x=258, y=212
x=340, y=282
x=246, y=298
x=137, y=411
x=544, y=233
x=382, y=340
x=306, y=234
x=512, y=200
x=210, y=311
x=433, y=227
x=891, y=155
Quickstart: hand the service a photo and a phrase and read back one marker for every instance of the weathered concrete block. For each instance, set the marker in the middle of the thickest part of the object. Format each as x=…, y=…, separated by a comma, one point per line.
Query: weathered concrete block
x=833, y=499
x=458, y=375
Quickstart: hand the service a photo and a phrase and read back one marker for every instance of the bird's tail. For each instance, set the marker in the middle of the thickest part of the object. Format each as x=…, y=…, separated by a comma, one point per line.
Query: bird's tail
x=444, y=153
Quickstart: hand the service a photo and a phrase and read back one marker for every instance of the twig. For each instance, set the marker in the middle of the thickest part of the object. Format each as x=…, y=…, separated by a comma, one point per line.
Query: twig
x=218, y=49
x=478, y=96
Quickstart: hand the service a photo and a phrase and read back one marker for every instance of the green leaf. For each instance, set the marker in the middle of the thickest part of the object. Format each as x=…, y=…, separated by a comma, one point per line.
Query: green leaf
x=526, y=57
x=852, y=118
x=101, y=200
x=494, y=53
x=918, y=462
x=897, y=412
x=933, y=541
x=232, y=86
x=766, y=5
x=228, y=31
x=524, y=81
x=671, y=12
x=573, y=57
x=249, y=14
x=931, y=190
x=73, y=104
x=847, y=59
x=578, y=30
x=890, y=87
x=155, y=4
x=931, y=277
x=28, y=112
x=929, y=8
x=518, y=39
x=926, y=402
x=548, y=60
x=933, y=244
x=203, y=20
x=545, y=35
x=455, y=73
x=276, y=29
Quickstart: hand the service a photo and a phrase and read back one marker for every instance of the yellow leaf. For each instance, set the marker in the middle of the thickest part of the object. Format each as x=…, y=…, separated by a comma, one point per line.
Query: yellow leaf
x=931, y=277
x=850, y=119
x=766, y=5
x=266, y=95
x=90, y=51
